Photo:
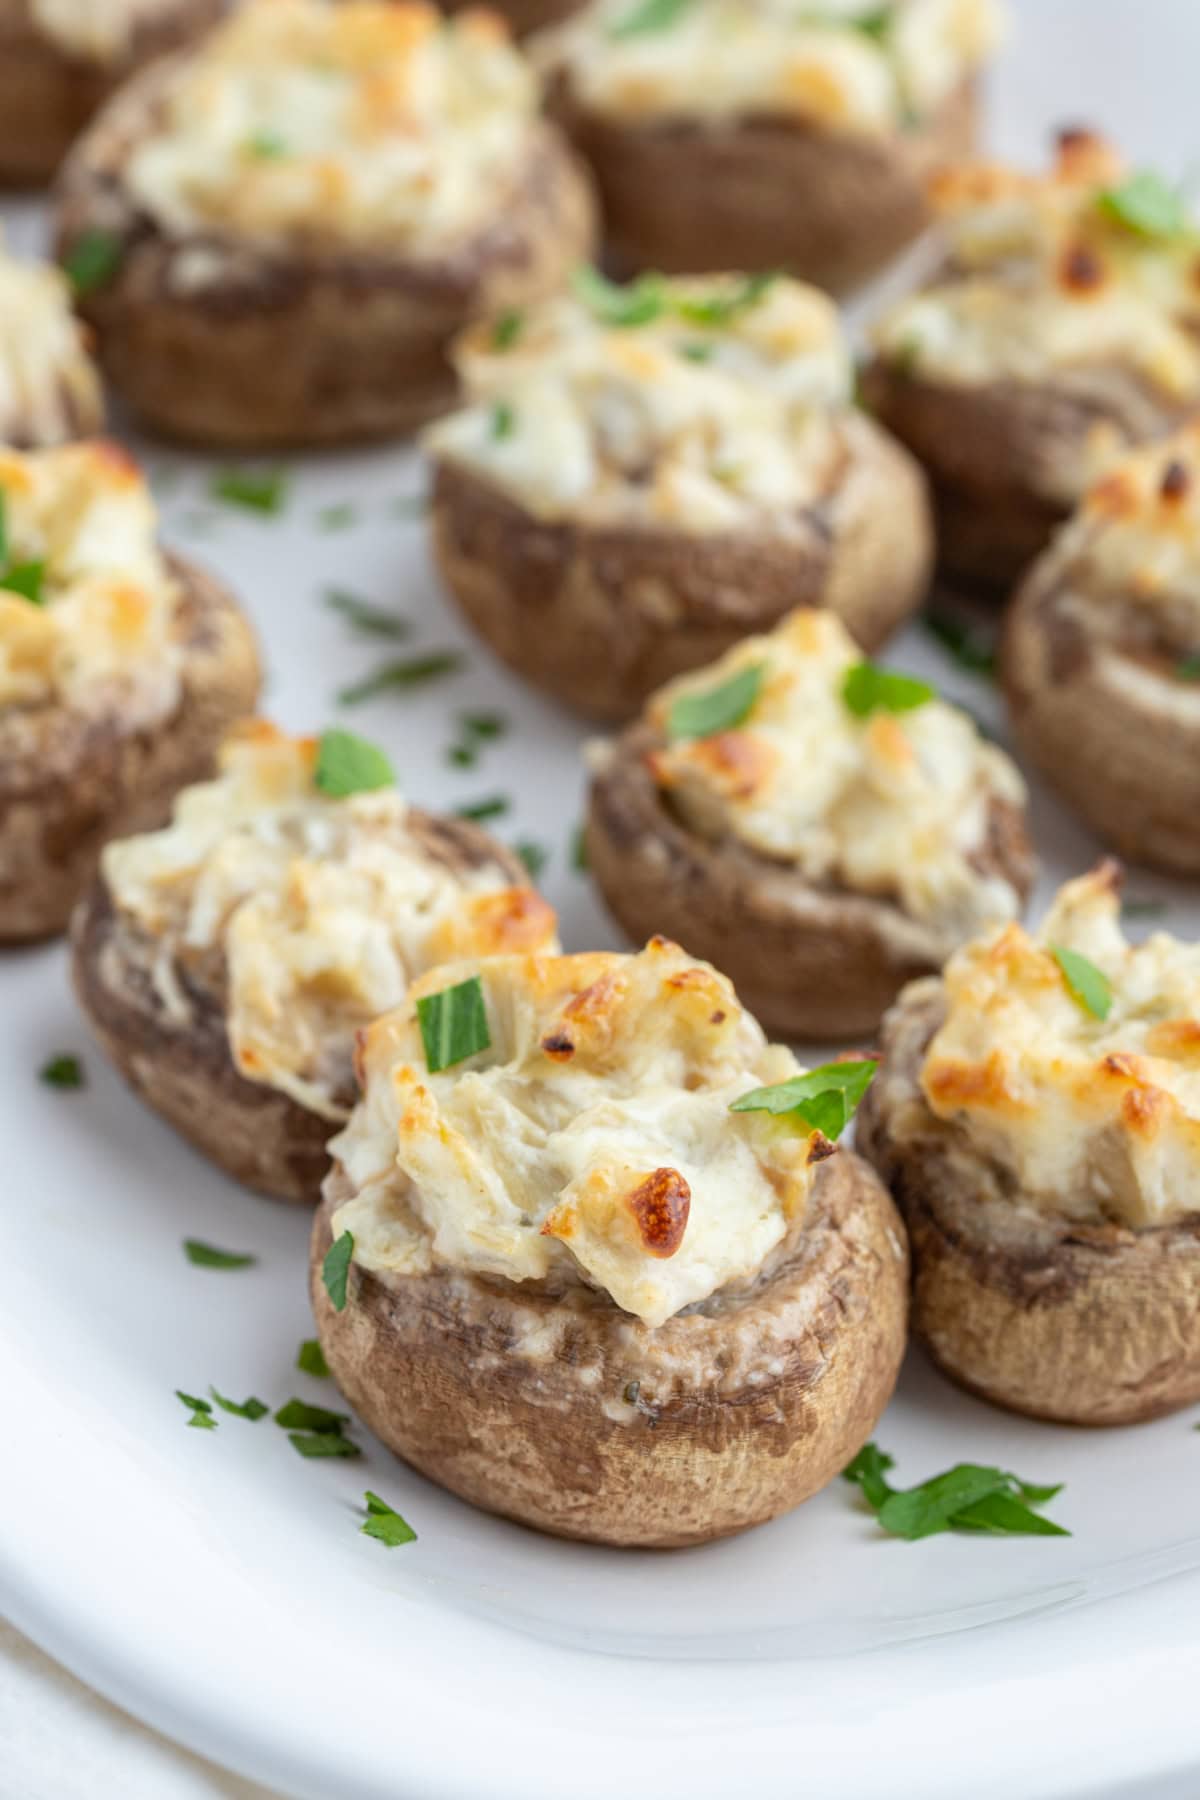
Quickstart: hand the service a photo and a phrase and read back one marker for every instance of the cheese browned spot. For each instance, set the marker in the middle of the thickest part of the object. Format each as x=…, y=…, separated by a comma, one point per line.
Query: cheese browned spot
x=49, y=388
x=618, y=1166
x=322, y=909
x=1097, y=1119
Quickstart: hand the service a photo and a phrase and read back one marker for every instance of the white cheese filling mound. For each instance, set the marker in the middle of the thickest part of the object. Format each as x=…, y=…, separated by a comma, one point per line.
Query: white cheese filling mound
x=370, y=122
x=713, y=404
x=1096, y=1117
x=100, y=31
x=49, y=388
x=591, y=1141
x=324, y=909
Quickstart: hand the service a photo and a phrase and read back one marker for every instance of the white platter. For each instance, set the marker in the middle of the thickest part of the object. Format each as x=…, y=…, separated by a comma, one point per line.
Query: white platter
x=217, y=1586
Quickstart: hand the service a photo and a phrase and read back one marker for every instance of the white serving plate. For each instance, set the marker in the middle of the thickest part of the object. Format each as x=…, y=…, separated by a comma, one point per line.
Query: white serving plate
x=217, y=1586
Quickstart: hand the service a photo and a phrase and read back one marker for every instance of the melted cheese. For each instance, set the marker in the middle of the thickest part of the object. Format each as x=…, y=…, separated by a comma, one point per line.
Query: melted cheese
x=369, y=121
x=104, y=634
x=1043, y=278
x=323, y=909
x=822, y=61
x=669, y=421
x=99, y=31
x=49, y=388
x=591, y=1142
x=895, y=805
x=1095, y=1119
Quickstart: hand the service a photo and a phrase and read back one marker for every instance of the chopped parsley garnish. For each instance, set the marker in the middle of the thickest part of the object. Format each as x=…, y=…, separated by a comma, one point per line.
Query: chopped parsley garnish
x=718, y=708
x=414, y=672
x=504, y=420
x=262, y=491
x=1087, y=985
x=63, y=1071
x=1188, y=669
x=385, y=1523
x=476, y=728
x=969, y=1497
x=201, y=1411
x=267, y=145
x=311, y=1358
x=1147, y=205
x=373, y=621
x=697, y=353
x=453, y=1024
x=579, y=850
x=1142, y=909
x=322, y=1443
x=335, y=1270
x=338, y=517
x=876, y=24
x=972, y=647
x=350, y=765
x=92, y=261
x=868, y=689
x=824, y=1100
x=26, y=579
x=649, y=16
x=246, y=1409
x=494, y=807
x=624, y=306
x=721, y=309
x=534, y=856
x=507, y=328
x=298, y=1415
x=207, y=1256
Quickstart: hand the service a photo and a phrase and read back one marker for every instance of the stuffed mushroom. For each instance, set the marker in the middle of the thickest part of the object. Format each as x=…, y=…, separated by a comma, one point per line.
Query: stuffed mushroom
x=49, y=385
x=1101, y=657
x=121, y=667
x=589, y=1257
x=59, y=59
x=1037, y=1117
x=829, y=829
x=644, y=474
x=1060, y=331
x=763, y=134
x=297, y=216
x=226, y=962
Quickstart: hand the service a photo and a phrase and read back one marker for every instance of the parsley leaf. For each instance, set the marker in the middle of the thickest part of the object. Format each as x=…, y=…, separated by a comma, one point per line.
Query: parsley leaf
x=63, y=1071
x=322, y=1443
x=1087, y=985
x=264, y=491
x=266, y=145
x=298, y=1415
x=868, y=689
x=876, y=24
x=972, y=648
x=507, y=328
x=385, y=1523
x=869, y=1470
x=1146, y=205
x=373, y=621
x=648, y=16
x=207, y=1256
x=718, y=708
x=494, y=807
x=453, y=1024
x=25, y=579
x=311, y=1358
x=722, y=309
x=415, y=672
x=201, y=1411
x=92, y=261
x=350, y=765
x=1188, y=669
x=504, y=420
x=486, y=725
x=968, y=1497
x=247, y=1409
x=335, y=1270
x=825, y=1099
x=534, y=856
x=623, y=306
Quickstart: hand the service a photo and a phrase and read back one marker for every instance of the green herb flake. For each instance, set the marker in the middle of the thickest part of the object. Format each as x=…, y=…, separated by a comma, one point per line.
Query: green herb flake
x=824, y=1100
x=26, y=579
x=245, y=1409
x=262, y=491
x=350, y=765
x=453, y=1024
x=63, y=1071
x=869, y=1472
x=972, y=648
x=299, y=1415
x=647, y=17
x=207, y=1256
x=877, y=24
x=622, y=306
x=580, y=860
x=322, y=1443
x=969, y=1497
x=385, y=1524
x=1146, y=205
x=1087, y=985
x=718, y=708
x=503, y=422
x=494, y=807
x=311, y=1358
x=201, y=1411
x=1188, y=669
x=92, y=261
x=416, y=671
x=722, y=308
x=1142, y=909
x=484, y=725
x=868, y=689
x=534, y=856
x=335, y=1270
x=266, y=146
x=507, y=328
x=462, y=756
x=696, y=353
x=371, y=620
x=338, y=517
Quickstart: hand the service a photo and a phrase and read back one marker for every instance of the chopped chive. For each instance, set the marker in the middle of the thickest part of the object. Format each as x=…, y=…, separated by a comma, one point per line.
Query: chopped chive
x=534, y=856
x=201, y=1411
x=264, y=491
x=322, y=1443
x=414, y=672
x=246, y=1409
x=299, y=1415
x=207, y=1256
x=385, y=1524
x=371, y=620
x=63, y=1071
x=494, y=807
x=453, y=1024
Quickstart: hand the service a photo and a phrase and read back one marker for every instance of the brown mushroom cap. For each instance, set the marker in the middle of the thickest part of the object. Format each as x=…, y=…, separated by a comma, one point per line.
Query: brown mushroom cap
x=565, y=1413
x=763, y=191
x=808, y=961
x=181, y=1065
x=601, y=616
x=69, y=783
x=1083, y=1325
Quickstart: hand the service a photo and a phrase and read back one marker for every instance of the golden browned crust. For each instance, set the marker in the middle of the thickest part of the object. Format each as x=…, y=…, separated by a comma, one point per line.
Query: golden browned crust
x=567, y=1414
x=601, y=616
x=688, y=195
x=180, y=1063
x=1084, y=1325
x=1113, y=729
x=808, y=961
x=46, y=97
x=1003, y=458
x=276, y=347
x=69, y=783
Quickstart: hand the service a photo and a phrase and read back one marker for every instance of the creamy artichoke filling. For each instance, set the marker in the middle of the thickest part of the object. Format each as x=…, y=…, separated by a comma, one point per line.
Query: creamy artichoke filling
x=712, y=400
x=897, y=805
x=323, y=909
x=372, y=121
x=101, y=31
x=49, y=388
x=591, y=1142
x=88, y=606
x=1088, y=265
x=845, y=65
x=1094, y=1117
